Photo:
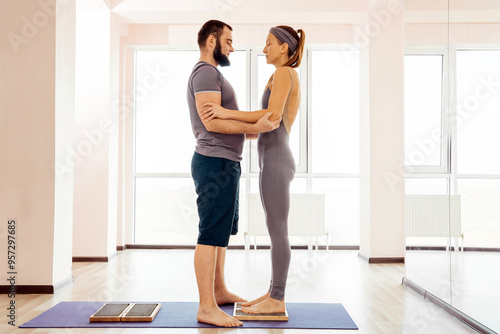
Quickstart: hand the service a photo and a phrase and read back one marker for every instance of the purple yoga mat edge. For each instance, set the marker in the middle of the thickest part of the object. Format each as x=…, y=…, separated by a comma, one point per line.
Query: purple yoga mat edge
x=302, y=316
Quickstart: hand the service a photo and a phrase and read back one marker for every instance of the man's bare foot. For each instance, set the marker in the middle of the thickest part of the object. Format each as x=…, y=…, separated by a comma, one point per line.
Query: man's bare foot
x=256, y=301
x=215, y=316
x=226, y=297
x=270, y=305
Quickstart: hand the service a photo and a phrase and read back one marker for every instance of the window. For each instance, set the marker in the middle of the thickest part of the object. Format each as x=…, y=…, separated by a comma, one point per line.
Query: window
x=478, y=112
x=163, y=188
x=335, y=112
x=161, y=117
x=477, y=136
x=426, y=136
x=164, y=197
x=469, y=166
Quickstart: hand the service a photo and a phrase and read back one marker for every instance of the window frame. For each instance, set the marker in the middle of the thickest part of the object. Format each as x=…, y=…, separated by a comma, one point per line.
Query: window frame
x=303, y=170
x=454, y=138
x=446, y=107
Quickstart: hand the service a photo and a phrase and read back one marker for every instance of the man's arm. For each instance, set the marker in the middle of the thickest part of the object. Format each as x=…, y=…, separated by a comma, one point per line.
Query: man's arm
x=230, y=126
x=282, y=83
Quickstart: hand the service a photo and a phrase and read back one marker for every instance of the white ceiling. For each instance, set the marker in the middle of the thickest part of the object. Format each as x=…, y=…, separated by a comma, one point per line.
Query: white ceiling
x=296, y=11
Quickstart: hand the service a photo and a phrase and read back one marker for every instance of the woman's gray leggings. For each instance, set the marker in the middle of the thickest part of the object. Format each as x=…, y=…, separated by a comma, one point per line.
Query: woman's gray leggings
x=277, y=171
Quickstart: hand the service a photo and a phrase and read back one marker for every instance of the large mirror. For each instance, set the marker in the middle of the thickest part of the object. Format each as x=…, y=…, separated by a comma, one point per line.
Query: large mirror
x=427, y=147
x=452, y=83
x=475, y=44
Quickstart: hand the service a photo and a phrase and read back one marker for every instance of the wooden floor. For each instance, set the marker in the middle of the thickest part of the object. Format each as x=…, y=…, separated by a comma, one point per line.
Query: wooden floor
x=371, y=293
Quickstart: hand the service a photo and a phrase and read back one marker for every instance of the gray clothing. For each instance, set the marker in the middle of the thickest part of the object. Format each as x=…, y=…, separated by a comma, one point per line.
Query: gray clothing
x=277, y=169
x=207, y=78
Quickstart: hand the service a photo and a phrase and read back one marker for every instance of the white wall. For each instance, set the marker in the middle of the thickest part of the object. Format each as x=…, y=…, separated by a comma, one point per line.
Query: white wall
x=64, y=137
x=36, y=103
x=96, y=132
x=382, y=134
x=114, y=116
x=31, y=115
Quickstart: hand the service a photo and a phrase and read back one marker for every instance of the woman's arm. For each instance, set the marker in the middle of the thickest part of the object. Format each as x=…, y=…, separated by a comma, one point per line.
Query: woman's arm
x=281, y=87
x=232, y=126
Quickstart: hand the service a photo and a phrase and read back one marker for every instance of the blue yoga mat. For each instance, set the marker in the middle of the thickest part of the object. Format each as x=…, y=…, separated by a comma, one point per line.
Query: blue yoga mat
x=183, y=315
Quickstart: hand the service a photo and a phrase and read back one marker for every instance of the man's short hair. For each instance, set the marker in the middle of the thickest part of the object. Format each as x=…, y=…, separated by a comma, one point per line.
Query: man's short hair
x=212, y=27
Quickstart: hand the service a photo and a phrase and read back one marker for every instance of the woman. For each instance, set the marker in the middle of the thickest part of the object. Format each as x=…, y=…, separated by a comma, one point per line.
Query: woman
x=284, y=50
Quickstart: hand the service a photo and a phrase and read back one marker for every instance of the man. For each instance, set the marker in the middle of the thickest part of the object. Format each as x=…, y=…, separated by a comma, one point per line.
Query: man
x=216, y=170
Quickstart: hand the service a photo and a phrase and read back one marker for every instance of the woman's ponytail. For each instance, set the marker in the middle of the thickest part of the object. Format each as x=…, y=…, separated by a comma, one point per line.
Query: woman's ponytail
x=296, y=58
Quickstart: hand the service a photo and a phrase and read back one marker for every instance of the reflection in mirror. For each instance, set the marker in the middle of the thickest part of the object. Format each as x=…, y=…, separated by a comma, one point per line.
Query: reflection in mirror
x=427, y=147
x=475, y=287
x=454, y=161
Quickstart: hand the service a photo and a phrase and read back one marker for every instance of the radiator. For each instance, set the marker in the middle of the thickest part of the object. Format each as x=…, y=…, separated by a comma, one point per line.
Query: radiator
x=432, y=216
x=306, y=216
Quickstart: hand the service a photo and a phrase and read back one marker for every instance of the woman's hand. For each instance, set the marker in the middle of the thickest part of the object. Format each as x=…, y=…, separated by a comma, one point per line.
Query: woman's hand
x=210, y=110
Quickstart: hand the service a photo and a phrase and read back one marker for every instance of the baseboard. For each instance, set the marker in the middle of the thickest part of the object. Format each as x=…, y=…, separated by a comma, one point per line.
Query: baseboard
x=340, y=247
x=301, y=247
x=426, y=248
x=28, y=289
x=94, y=258
x=36, y=289
x=90, y=259
x=471, y=322
x=481, y=249
x=129, y=246
x=452, y=248
x=382, y=259
x=344, y=247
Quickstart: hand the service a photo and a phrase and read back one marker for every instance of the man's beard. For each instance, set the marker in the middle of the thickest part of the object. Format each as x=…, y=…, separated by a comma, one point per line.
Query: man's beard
x=221, y=59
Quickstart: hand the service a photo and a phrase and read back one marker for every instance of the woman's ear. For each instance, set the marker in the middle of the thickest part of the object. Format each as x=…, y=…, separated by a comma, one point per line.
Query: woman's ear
x=284, y=48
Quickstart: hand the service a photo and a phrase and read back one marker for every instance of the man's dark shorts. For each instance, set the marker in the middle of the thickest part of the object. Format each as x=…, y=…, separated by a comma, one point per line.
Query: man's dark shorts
x=217, y=183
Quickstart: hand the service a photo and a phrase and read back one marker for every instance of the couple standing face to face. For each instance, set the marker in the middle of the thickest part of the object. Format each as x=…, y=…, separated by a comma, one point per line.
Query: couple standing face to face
x=219, y=145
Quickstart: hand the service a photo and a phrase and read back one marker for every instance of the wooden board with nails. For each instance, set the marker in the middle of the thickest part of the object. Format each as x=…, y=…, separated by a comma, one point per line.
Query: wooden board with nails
x=240, y=315
x=116, y=312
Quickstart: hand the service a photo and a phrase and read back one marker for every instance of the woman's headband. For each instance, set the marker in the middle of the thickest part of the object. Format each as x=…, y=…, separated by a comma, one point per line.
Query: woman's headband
x=285, y=37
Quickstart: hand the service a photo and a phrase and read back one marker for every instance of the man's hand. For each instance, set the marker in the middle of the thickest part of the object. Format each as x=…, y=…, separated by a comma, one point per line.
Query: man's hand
x=265, y=125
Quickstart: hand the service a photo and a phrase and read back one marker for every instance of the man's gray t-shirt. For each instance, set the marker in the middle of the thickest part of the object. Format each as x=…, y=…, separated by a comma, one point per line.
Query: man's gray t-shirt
x=207, y=78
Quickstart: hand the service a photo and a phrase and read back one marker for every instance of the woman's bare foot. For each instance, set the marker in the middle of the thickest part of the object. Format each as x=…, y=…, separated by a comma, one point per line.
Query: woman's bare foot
x=256, y=301
x=270, y=305
x=215, y=316
x=226, y=297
